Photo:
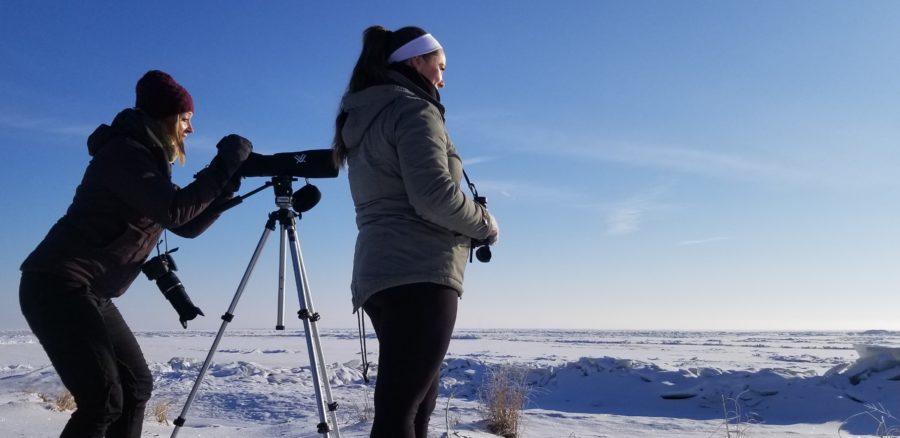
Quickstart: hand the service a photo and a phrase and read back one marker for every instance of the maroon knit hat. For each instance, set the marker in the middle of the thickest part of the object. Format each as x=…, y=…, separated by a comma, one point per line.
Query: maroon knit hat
x=158, y=95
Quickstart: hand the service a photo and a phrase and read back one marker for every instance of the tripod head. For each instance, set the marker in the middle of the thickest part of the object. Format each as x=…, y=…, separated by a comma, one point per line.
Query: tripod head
x=301, y=201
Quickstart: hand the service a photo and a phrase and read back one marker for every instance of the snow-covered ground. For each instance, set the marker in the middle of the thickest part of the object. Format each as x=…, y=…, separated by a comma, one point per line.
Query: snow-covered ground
x=582, y=383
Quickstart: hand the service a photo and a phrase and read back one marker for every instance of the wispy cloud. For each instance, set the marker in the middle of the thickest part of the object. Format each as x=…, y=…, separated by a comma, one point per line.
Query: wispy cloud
x=481, y=114
x=702, y=241
x=203, y=142
x=695, y=161
x=620, y=218
x=626, y=217
x=717, y=161
x=527, y=191
x=45, y=125
x=624, y=220
x=477, y=160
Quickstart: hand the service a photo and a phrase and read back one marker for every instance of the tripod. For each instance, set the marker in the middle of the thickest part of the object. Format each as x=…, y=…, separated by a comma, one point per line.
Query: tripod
x=284, y=199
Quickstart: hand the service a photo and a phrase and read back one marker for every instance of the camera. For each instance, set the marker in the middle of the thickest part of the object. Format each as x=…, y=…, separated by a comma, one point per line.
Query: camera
x=316, y=163
x=161, y=269
x=480, y=247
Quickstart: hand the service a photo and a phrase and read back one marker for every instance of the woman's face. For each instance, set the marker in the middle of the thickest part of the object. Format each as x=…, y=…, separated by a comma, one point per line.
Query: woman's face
x=183, y=127
x=431, y=67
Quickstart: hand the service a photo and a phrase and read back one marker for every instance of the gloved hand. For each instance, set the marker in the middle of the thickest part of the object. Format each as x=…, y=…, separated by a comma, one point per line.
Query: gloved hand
x=236, y=145
x=226, y=198
x=494, y=234
x=231, y=187
x=233, y=150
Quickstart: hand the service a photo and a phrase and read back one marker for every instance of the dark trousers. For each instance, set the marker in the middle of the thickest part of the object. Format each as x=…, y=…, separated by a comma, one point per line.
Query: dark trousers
x=413, y=323
x=94, y=353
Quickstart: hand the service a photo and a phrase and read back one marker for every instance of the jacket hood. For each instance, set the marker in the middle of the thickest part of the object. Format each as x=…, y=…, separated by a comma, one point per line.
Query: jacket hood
x=364, y=106
x=128, y=123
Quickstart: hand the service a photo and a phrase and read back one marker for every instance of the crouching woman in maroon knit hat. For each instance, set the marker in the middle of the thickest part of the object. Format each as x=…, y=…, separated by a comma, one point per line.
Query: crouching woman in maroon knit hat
x=94, y=252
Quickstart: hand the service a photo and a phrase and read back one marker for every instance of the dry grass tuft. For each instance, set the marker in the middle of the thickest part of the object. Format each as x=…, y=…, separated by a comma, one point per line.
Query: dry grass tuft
x=503, y=396
x=160, y=411
x=450, y=421
x=736, y=423
x=365, y=411
x=885, y=422
x=61, y=402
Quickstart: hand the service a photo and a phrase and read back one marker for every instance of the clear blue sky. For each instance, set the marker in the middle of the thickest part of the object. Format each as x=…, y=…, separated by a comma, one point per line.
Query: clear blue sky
x=652, y=164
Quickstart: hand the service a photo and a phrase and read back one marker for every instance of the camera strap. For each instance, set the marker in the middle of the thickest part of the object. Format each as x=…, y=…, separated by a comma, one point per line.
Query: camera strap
x=361, y=319
x=470, y=184
x=165, y=243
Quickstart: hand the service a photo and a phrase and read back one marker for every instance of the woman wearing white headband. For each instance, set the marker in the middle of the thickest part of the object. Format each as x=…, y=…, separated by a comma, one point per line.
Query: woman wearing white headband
x=415, y=224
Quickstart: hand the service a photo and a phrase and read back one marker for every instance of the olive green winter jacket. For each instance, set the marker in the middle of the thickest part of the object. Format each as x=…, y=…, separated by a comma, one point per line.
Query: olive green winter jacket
x=415, y=224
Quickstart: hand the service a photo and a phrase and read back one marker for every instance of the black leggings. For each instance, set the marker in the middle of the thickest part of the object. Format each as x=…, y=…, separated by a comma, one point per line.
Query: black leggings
x=413, y=324
x=94, y=353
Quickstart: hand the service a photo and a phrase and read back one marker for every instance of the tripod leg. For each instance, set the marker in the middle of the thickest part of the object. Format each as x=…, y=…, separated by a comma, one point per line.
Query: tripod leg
x=226, y=318
x=332, y=406
x=279, y=325
x=316, y=359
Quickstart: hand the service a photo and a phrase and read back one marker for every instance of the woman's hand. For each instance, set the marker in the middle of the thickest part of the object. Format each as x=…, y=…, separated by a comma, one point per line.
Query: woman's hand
x=234, y=147
x=494, y=234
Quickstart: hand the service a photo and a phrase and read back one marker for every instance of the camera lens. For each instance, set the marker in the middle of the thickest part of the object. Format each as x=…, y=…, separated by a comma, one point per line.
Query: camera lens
x=167, y=281
x=483, y=254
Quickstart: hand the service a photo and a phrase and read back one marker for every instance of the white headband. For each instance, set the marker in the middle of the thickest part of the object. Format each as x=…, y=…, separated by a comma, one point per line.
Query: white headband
x=419, y=46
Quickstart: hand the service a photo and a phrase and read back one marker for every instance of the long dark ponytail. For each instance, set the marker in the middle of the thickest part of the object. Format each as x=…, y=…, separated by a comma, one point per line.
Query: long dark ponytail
x=371, y=69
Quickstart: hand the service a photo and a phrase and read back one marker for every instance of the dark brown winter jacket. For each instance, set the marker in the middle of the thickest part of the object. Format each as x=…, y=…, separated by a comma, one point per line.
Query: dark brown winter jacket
x=125, y=200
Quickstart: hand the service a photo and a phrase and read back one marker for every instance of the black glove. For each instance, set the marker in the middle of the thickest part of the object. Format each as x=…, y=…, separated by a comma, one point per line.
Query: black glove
x=233, y=150
x=226, y=198
x=235, y=144
x=231, y=187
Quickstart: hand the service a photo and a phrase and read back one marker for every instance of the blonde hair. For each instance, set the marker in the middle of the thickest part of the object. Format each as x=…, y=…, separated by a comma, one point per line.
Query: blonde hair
x=166, y=130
